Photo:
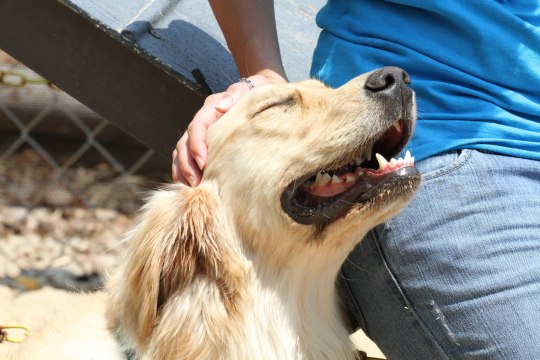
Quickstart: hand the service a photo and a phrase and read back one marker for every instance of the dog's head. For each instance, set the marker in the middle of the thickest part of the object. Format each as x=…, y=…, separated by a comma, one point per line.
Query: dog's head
x=305, y=156
x=291, y=167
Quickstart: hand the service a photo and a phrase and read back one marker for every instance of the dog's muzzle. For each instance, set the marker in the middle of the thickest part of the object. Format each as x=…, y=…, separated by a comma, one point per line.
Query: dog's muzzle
x=373, y=175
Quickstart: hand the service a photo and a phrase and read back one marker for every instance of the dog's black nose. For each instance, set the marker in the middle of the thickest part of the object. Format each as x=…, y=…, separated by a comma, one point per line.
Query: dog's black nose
x=387, y=80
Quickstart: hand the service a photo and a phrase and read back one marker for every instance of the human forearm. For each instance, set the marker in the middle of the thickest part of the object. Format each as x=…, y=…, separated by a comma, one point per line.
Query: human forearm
x=250, y=30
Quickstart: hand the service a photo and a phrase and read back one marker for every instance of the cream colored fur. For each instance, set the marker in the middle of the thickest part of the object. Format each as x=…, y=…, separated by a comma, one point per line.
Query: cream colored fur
x=220, y=271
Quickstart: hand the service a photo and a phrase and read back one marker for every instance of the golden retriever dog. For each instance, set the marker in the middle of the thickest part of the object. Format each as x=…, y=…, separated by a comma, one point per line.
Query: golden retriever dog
x=244, y=266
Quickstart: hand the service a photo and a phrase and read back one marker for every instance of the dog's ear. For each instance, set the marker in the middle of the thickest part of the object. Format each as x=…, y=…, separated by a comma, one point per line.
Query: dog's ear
x=181, y=237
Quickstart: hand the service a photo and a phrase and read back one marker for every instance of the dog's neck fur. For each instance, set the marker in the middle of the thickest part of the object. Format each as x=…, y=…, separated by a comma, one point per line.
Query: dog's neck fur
x=303, y=301
x=294, y=304
x=298, y=305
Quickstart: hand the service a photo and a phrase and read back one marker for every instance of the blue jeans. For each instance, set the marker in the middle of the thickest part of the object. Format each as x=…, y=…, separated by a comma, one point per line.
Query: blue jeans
x=457, y=274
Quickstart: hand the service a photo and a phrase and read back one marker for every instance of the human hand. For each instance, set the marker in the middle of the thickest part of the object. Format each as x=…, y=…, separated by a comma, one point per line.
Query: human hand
x=191, y=152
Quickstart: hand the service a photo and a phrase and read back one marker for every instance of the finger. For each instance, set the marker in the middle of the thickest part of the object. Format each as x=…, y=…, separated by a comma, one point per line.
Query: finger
x=184, y=166
x=198, y=131
x=198, y=128
x=225, y=104
x=232, y=95
x=175, y=168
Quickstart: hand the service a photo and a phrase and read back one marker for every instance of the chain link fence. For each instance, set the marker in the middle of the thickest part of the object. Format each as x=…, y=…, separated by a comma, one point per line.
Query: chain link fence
x=70, y=184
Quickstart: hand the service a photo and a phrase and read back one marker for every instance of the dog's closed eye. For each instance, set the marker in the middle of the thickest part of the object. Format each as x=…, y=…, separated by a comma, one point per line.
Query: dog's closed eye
x=283, y=103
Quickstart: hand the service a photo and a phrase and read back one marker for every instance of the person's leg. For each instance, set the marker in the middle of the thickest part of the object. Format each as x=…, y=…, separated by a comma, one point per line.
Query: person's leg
x=457, y=274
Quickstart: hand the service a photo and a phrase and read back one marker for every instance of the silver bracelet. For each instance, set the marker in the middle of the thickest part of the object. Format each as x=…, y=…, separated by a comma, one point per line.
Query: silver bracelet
x=248, y=81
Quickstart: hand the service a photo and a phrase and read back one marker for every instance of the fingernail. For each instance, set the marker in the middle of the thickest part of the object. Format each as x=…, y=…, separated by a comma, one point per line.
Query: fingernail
x=192, y=181
x=200, y=162
x=225, y=103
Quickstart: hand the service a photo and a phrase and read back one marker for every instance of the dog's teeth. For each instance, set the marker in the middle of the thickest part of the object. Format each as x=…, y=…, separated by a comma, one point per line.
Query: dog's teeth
x=407, y=155
x=397, y=126
x=326, y=178
x=322, y=179
x=382, y=161
x=393, y=162
x=368, y=153
x=409, y=160
x=336, y=180
x=318, y=180
x=358, y=161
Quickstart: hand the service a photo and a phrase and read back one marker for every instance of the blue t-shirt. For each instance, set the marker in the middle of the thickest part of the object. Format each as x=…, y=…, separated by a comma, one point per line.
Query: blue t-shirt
x=475, y=66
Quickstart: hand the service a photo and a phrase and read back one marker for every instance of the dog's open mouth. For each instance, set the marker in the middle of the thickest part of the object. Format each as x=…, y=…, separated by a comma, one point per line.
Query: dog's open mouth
x=329, y=194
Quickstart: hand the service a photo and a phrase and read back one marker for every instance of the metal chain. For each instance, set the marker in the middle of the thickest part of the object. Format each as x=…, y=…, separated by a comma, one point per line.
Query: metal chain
x=17, y=79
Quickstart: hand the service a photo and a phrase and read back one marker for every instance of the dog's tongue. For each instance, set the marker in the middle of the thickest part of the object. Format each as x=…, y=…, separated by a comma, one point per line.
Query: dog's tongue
x=328, y=190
